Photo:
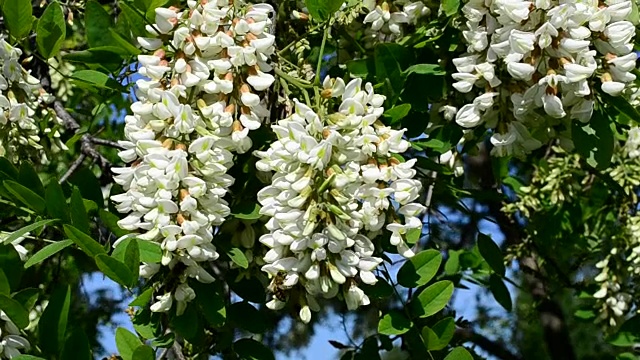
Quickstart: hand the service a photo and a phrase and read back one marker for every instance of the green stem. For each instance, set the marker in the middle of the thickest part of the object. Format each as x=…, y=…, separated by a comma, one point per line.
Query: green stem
x=322, y=45
x=297, y=83
x=284, y=49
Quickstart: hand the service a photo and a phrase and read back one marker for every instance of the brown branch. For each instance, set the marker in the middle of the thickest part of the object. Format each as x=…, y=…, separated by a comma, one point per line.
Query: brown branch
x=492, y=347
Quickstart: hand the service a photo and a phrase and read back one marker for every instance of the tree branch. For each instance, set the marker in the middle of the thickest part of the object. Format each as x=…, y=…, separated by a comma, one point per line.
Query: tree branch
x=492, y=347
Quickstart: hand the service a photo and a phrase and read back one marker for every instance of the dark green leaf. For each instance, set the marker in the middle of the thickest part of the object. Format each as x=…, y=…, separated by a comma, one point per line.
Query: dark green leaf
x=56, y=202
x=84, y=241
x=237, y=256
x=452, y=266
x=500, y=292
x=46, y=252
x=628, y=334
x=135, y=20
x=88, y=184
x=28, y=177
x=132, y=261
x=420, y=269
x=24, y=230
x=432, y=299
x=143, y=352
x=5, y=287
x=7, y=168
x=110, y=58
x=394, y=322
x=11, y=264
x=77, y=346
x=15, y=311
x=51, y=30
x=244, y=316
x=594, y=141
x=250, y=289
x=322, y=10
x=187, y=324
x=391, y=59
x=380, y=290
x=211, y=304
x=111, y=222
x=164, y=341
x=148, y=6
x=18, y=17
x=459, y=353
x=491, y=253
x=53, y=322
x=622, y=105
x=98, y=22
x=79, y=216
x=26, y=196
x=249, y=349
x=27, y=297
x=127, y=343
x=114, y=269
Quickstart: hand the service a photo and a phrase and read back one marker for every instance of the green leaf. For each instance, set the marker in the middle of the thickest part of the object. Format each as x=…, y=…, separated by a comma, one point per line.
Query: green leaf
x=628, y=334
x=135, y=20
x=250, y=289
x=420, y=269
x=380, y=290
x=622, y=105
x=11, y=264
x=84, y=241
x=491, y=253
x=18, y=17
x=432, y=299
x=150, y=252
x=452, y=266
x=77, y=346
x=237, y=256
x=164, y=341
x=24, y=230
x=53, y=322
x=438, y=336
x=26, y=196
x=124, y=43
x=132, y=261
x=97, y=22
x=79, y=217
x=394, y=323
x=397, y=113
x=27, y=297
x=425, y=69
x=187, y=324
x=127, y=343
x=450, y=7
x=7, y=168
x=27, y=357
x=88, y=184
x=634, y=17
x=500, y=292
x=143, y=299
x=143, y=352
x=148, y=6
x=244, y=316
x=246, y=211
x=56, y=202
x=391, y=60
x=5, y=287
x=249, y=349
x=15, y=311
x=96, y=79
x=114, y=269
x=459, y=353
x=110, y=220
x=211, y=304
x=28, y=177
x=51, y=30
x=594, y=141
x=322, y=10
x=47, y=252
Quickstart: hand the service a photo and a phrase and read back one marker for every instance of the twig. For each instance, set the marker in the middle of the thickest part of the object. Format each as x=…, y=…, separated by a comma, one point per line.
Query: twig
x=76, y=164
x=177, y=351
x=105, y=142
x=492, y=347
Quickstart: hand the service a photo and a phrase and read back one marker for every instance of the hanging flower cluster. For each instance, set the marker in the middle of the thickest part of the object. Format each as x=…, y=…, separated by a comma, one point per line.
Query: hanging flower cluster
x=12, y=344
x=200, y=98
x=336, y=184
x=20, y=97
x=542, y=56
x=387, y=18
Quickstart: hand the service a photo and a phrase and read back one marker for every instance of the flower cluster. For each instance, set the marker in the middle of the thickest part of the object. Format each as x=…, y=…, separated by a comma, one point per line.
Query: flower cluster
x=540, y=57
x=337, y=183
x=387, y=19
x=200, y=98
x=20, y=96
x=11, y=342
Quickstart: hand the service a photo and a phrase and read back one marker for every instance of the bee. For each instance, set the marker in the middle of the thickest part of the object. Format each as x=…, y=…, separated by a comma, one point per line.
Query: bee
x=277, y=287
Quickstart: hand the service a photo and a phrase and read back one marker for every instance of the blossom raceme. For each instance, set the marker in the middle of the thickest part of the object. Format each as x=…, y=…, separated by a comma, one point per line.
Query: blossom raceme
x=12, y=343
x=337, y=184
x=20, y=114
x=547, y=57
x=387, y=18
x=201, y=95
